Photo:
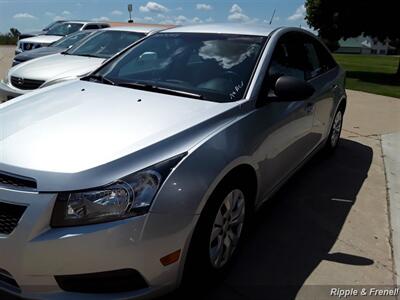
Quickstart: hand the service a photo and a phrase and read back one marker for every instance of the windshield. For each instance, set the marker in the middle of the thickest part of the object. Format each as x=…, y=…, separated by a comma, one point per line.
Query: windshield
x=64, y=29
x=71, y=39
x=105, y=44
x=217, y=67
x=51, y=25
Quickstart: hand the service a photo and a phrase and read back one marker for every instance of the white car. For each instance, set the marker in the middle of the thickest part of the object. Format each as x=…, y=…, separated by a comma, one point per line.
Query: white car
x=70, y=64
x=55, y=33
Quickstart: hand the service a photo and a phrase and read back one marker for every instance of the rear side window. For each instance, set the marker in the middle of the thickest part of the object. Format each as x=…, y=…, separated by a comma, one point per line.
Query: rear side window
x=312, y=66
x=326, y=60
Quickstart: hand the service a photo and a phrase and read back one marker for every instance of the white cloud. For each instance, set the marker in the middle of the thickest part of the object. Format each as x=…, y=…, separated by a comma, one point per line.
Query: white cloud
x=100, y=19
x=58, y=18
x=196, y=20
x=202, y=6
x=23, y=16
x=116, y=12
x=179, y=8
x=299, y=14
x=236, y=9
x=66, y=12
x=153, y=7
x=209, y=20
x=49, y=13
x=237, y=15
x=179, y=20
x=148, y=19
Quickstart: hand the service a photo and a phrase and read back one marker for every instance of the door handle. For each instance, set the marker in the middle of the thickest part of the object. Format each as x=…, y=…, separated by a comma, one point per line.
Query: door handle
x=334, y=86
x=309, y=107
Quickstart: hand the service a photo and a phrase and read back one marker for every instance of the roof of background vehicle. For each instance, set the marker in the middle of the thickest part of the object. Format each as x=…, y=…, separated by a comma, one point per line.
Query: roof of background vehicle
x=226, y=28
x=142, y=29
x=118, y=24
x=84, y=22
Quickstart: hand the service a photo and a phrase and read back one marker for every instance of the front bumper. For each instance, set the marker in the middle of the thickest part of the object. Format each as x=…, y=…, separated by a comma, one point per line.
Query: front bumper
x=9, y=91
x=34, y=253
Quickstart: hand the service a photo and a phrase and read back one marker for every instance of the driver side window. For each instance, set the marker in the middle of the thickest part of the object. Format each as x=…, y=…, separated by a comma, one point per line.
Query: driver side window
x=287, y=60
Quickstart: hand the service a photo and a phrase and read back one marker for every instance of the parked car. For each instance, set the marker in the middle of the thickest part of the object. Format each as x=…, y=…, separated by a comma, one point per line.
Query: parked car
x=76, y=61
x=43, y=31
x=57, y=47
x=146, y=171
x=56, y=33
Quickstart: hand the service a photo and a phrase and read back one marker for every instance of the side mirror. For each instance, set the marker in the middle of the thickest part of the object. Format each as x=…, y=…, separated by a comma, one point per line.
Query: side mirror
x=288, y=88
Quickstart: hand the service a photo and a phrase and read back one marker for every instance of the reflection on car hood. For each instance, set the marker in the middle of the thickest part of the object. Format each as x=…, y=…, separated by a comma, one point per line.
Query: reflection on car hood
x=42, y=39
x=56, y=66
x=79, y=125
x=35, y=53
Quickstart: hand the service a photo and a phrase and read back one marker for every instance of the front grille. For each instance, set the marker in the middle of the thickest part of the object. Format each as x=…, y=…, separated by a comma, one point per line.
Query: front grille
x=25, y=84
x=17, y=182
x=10, y=214
x=117, y=281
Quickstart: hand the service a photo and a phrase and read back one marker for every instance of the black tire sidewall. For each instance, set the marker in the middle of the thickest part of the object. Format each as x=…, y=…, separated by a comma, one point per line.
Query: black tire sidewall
x=198, y=259
x=328, y=145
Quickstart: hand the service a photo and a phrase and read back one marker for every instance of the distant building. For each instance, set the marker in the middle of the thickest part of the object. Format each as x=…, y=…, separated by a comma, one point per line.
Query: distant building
x=364, y=45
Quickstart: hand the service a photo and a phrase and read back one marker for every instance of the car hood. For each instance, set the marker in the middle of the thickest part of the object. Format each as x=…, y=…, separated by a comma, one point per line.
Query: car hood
x=35, y=53
x=81, y=125
x=42, y=39
x=56, y=66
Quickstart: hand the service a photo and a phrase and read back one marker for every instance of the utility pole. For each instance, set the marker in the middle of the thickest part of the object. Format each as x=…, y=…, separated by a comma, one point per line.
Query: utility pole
x=130, y=13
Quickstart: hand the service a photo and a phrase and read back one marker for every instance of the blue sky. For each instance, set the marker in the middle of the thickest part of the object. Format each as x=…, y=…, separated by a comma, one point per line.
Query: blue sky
x=35, y=14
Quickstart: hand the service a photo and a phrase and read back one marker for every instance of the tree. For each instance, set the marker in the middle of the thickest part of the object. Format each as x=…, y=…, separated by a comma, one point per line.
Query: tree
x=14, y=32
x=350, y=18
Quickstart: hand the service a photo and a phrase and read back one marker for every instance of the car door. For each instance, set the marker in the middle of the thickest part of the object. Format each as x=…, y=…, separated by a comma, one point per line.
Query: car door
x=287, y=125
x=323, y=76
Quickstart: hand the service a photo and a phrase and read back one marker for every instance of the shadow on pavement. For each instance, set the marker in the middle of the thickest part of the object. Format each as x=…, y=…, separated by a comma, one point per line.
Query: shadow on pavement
x=296, y=230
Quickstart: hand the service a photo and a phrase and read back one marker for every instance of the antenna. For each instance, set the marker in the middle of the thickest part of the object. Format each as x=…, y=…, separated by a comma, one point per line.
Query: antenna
x=272, y=17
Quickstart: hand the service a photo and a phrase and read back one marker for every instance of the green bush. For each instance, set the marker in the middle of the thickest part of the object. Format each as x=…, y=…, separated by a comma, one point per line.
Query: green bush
x=8, y=39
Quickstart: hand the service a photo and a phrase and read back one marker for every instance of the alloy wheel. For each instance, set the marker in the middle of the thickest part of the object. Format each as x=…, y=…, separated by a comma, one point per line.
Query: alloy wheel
x=227, y=228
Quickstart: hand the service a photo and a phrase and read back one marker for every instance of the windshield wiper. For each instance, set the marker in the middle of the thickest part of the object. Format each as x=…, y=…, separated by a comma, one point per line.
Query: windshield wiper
x=98, y=78
x=158, y=89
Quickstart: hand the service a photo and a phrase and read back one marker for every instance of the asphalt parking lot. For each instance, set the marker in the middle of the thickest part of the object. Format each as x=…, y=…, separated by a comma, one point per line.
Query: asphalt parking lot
x=329, y=226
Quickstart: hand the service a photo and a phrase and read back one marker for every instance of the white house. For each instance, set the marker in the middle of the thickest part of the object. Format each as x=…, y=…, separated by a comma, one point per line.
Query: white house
x=364, y=45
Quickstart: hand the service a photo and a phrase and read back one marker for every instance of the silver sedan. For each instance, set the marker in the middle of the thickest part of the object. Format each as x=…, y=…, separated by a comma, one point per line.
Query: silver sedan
x=146, y=171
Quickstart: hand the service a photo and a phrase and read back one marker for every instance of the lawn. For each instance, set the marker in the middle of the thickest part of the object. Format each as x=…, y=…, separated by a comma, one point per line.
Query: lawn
x=371, y=73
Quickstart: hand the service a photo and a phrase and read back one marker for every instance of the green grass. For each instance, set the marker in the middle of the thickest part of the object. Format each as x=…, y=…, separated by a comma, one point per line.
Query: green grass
x=371, y=73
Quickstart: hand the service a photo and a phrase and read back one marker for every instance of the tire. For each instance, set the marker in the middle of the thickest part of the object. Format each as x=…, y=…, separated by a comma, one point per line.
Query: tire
x=334, y=134
x=218, y=224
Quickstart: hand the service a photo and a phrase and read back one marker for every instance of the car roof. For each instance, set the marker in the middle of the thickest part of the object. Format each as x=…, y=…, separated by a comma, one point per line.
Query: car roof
x=226, y=28
x=84, y=22
x=143, y=29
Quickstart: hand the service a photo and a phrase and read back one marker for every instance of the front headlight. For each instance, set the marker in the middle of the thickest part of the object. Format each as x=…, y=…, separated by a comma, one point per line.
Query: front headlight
x=127, y=197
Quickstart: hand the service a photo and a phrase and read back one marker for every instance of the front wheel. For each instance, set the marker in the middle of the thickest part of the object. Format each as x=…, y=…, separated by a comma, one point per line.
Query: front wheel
x=334, y=134
x=218, y=233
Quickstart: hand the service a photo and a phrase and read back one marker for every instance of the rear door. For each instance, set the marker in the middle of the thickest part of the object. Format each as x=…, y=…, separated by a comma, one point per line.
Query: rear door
x=319, y=71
